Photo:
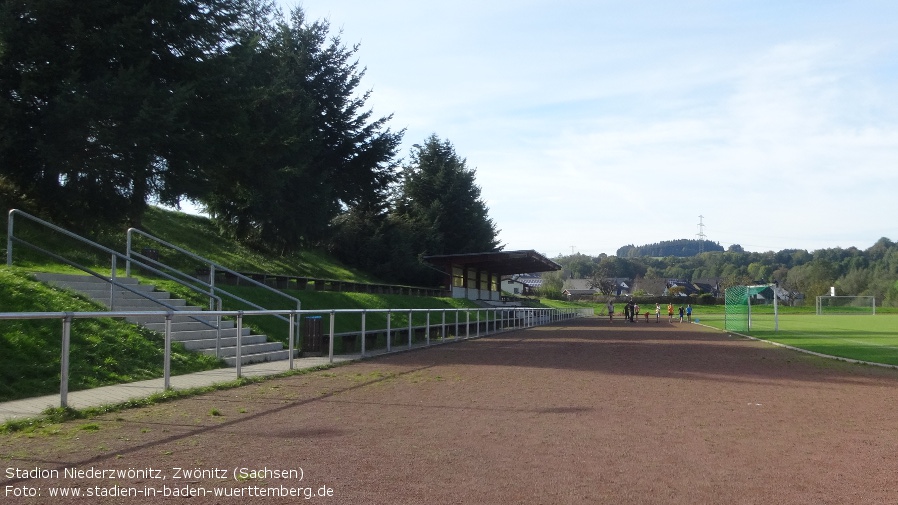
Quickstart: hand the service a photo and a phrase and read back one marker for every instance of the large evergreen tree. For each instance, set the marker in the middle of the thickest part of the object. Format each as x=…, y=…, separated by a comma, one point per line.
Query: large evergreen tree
x=302, y=149
x=436, y=209
x=95, y=96
x=440, y=198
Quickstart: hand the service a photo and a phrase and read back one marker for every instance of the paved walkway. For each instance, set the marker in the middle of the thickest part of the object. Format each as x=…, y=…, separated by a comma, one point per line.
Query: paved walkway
x=110, y=395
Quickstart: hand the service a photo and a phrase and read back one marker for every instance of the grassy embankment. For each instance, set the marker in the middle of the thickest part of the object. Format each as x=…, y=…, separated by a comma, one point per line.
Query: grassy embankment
x=107, y=351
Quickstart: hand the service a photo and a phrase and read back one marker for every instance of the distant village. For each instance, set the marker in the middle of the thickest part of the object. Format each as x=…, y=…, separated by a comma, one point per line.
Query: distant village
x=584, y=289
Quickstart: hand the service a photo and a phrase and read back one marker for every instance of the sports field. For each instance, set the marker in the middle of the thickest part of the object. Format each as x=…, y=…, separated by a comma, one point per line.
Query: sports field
x=580, y=412
x=871, y=338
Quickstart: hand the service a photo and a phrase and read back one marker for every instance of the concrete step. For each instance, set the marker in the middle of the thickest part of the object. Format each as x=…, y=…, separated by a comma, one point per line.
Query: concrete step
x=150, y=305
x=208, y=334
x=246, y=343
x=183, y=323
x=189, y=330
x=82, y=278
x=247, y=349
x=257, y=358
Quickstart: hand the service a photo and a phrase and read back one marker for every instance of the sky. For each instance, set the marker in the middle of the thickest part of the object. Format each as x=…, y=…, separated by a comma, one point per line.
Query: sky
x=597, y=124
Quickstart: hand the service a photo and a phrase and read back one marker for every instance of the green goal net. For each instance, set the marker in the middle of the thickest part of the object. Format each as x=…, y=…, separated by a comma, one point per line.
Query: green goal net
x=751, y=308
x=736, y=312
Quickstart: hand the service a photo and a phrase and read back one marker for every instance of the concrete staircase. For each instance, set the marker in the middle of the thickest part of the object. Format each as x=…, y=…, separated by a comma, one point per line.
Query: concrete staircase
x=193, y=334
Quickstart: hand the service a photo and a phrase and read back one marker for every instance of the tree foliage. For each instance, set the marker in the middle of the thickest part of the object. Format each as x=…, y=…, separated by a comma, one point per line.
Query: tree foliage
x=679, y=248
x=107, y=105
x=440, y=197
x=851, y=271
x=94, y=96
x=436, y=209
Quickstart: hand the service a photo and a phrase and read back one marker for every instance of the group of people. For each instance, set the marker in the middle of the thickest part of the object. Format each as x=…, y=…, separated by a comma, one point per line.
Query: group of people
x=631, y=312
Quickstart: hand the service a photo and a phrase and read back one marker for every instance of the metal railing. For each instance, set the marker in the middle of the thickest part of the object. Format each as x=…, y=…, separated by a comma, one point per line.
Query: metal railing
x=502, y=319
x=215, y=301
x=213, y=267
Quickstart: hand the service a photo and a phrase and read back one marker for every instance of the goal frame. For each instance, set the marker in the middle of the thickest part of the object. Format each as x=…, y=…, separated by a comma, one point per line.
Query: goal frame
x=743, y=298
x=819, y=305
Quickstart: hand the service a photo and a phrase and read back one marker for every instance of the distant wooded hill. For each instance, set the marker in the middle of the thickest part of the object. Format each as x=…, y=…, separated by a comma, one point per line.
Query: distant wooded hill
x=683, y=248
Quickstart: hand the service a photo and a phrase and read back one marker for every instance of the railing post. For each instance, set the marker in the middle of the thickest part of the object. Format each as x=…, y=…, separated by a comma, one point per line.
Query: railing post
x=477, y=332
x=292, y=336
x=389, y=344
x=410, y=330
x=64, y=361
x=443, y=329
x=218, y=332
x=166, y=367
x=363, y=333
x=239, y=340
x=330, y=350
x=427, y=329
x=211, y=282
x=9, y=227
x=112, y=285
x=467, y=323
x=455, y=337
x=128, y=253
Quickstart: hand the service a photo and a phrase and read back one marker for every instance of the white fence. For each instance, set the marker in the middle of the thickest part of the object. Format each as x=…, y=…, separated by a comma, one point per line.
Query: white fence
x=453, y=325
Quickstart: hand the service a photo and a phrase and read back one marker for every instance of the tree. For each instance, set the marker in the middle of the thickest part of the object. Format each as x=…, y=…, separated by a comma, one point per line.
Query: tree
x=303, y=149
x=440, y=198
x=94, y=96
x=601, y=282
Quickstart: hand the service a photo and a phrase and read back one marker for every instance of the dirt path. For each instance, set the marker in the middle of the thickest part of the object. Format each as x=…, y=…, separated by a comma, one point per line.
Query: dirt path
x=586, y=412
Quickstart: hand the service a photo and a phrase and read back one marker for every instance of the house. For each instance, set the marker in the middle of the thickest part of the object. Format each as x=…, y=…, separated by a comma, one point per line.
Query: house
x=711, y=286
x=651, y=287
x=530, y=279
x=515, y=286
x=579, y=294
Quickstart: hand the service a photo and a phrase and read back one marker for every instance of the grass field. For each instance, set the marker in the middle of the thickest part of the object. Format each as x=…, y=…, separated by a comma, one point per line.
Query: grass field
x=865, y=338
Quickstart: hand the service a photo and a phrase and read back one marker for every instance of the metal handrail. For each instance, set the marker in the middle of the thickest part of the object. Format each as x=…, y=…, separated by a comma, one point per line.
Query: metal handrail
x=528, y=317
x=213, y=267
x=11, y=238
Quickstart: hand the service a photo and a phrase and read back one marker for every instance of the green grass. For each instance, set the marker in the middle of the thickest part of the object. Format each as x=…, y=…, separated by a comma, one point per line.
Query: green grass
x=103, y=351
x=871, y=338
x=108, y=351
x=194, y=233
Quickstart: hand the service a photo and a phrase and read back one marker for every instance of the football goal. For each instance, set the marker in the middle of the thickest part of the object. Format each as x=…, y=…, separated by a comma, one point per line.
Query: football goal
x=750, y=308
x=846, y=305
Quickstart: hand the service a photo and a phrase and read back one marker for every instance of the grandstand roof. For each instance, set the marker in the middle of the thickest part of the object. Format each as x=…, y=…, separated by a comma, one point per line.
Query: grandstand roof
x=498, y=262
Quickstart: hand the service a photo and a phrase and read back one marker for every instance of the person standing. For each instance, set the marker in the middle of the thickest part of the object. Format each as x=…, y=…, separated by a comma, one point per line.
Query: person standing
x=610, y=311
x=657, y=312
x=635, y=312
x=689, y=313
x=669, y=312
x=681, y=313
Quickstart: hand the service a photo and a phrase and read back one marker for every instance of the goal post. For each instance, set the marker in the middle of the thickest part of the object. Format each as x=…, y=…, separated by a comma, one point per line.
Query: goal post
x=751, y=307
x=846, y=305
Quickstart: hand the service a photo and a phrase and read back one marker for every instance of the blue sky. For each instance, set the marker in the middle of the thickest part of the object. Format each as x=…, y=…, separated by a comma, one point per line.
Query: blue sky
x=597, y=124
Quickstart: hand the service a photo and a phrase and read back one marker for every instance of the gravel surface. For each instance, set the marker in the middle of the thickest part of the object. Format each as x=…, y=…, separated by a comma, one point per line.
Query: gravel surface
x=582, y=412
